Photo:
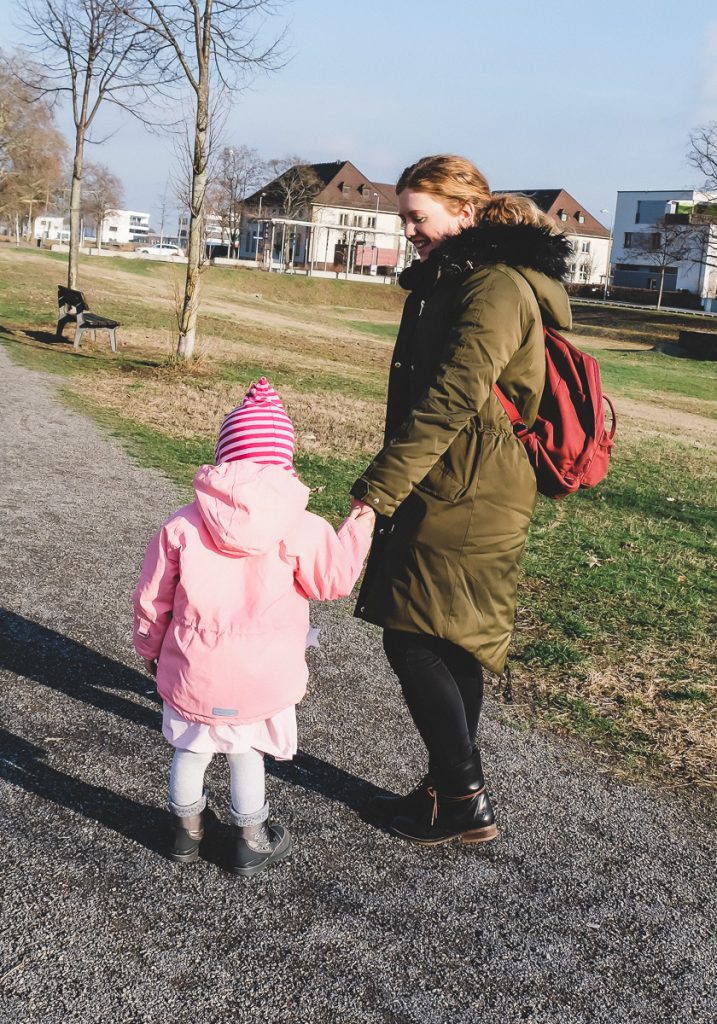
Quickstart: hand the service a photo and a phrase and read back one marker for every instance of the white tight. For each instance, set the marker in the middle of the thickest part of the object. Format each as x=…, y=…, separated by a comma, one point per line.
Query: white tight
x=186, y=782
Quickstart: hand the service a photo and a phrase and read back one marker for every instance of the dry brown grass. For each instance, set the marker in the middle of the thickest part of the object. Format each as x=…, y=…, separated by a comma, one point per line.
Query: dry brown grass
x=186, y=407
x=663, y=732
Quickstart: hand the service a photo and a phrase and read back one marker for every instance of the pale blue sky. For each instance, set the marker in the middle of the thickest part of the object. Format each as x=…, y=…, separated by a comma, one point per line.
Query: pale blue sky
x=592, y=98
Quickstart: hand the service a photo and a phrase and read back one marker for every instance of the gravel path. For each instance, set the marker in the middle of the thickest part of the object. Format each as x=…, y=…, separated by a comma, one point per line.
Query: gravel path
x=596, y=904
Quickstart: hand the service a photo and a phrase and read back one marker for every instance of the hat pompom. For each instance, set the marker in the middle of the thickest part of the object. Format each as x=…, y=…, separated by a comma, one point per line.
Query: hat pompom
x=259, y=430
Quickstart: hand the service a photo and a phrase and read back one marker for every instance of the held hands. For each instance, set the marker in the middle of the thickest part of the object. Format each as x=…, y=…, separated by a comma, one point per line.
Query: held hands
x=359, y=509
x=150, y=667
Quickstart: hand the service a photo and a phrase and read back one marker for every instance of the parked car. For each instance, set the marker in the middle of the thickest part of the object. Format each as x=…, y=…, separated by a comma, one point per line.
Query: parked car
x=162, y=249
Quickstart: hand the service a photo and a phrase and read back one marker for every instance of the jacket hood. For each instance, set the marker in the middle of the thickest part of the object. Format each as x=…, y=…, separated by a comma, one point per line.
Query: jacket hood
x=248, y=507
x=539, y=255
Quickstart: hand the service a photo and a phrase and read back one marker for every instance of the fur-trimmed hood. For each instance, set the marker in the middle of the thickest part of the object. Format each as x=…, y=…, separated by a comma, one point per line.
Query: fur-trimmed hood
x=541, y=256
x=517, y=245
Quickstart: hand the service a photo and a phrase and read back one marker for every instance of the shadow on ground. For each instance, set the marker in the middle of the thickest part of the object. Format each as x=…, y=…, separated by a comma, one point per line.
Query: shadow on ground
x=35, y=652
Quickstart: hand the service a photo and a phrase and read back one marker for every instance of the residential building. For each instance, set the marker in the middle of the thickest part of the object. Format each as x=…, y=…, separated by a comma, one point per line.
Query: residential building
x=51, y=227
x=215, y=236
x=350, y=224
x=589, y=238
x=650, y=219
x=121, y=227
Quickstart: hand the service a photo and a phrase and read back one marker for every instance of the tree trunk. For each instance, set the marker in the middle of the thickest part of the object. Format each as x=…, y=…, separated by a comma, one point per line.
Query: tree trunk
x=190, y=305
x=75, y=201
x=662, y=285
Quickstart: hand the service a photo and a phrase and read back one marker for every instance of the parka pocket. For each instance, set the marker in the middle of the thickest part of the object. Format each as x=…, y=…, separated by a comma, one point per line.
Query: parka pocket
x=455, y=472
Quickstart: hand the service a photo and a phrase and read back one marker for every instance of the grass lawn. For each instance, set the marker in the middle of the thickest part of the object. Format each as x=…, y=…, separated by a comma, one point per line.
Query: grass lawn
x=615, y=637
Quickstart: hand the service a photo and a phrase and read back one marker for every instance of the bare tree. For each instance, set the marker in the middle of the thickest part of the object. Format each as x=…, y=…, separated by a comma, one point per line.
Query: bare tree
x=91, y=53
x=238, y=173
x=294, y=186
x=103, y=194
x=669, y=243
x=213, y=44
x=702, y=153
x=32, y=152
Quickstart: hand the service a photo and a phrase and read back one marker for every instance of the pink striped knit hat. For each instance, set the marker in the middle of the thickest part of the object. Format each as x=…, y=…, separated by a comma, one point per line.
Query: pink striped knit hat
x=259, y=429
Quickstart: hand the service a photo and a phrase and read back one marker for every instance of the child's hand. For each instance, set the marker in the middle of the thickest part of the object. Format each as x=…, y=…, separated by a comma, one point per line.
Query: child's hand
x=150, y=667
x=359, y=509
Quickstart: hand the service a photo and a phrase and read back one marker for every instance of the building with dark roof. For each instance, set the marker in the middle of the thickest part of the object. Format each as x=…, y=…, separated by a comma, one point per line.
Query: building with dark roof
x=589, y=238
x=339, y=221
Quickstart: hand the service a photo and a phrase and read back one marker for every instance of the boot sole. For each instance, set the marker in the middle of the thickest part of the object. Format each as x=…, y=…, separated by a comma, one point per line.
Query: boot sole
x=254, y=869
x=185, y=858
x=478, y=835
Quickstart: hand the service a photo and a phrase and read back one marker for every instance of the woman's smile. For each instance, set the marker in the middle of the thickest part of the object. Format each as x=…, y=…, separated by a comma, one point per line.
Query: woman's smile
x=427, y=221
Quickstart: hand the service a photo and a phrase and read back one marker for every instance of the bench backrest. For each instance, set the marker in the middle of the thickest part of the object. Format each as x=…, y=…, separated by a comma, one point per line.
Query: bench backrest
x=71, y=298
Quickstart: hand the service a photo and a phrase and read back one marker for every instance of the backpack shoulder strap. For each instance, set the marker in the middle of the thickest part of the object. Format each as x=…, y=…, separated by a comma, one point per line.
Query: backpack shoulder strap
x=516, y=420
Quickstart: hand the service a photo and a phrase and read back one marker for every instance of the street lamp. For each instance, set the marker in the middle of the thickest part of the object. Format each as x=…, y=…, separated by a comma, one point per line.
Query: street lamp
x=609, y=255
x=258, y=227
x=375, y=237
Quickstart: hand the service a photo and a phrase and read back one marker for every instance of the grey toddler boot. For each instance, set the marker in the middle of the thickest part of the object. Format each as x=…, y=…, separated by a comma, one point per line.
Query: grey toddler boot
x=187, y=831
x=257, y=844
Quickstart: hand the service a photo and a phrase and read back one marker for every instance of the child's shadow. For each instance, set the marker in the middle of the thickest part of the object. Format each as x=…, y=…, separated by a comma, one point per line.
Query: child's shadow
x=35, y=652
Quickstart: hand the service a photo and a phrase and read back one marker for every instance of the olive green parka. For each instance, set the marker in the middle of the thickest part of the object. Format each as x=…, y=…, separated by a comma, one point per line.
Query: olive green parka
x=452, y=486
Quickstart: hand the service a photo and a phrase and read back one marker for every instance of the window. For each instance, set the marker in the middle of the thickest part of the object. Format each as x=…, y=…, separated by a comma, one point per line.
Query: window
x=562, y=215
x=580, y=217
x=650, y=211
x=370, y=222
x=344, y=219
x=644, y=240
x=585, y=247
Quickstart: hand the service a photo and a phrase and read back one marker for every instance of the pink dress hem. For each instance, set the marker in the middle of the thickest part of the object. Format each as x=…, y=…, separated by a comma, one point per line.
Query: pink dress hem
x=275, y=735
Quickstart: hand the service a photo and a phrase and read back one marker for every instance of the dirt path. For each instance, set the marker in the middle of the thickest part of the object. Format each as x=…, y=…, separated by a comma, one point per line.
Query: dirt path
x=596, y=905
x=659, y=420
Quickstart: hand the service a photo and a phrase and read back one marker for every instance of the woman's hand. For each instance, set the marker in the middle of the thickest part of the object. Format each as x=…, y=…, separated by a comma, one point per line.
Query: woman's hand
x=150, y=667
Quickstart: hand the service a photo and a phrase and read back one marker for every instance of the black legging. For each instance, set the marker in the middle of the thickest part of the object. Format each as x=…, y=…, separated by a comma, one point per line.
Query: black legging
x=443, y=687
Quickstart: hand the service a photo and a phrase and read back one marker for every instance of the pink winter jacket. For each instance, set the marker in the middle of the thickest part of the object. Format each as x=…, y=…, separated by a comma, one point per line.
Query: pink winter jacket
x=222, y=600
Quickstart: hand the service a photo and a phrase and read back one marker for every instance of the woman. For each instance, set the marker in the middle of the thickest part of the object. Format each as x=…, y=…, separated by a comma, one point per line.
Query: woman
x=452, y=485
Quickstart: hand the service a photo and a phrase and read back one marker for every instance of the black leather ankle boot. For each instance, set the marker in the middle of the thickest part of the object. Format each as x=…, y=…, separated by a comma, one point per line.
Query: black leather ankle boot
x=459, y=808
x=386, y=808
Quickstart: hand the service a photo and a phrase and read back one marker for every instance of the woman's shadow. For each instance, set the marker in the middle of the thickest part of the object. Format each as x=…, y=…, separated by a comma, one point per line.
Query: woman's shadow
x=35, y=652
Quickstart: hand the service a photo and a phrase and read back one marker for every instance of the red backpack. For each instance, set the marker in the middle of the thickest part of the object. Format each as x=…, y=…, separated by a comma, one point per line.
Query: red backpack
x=568, y=445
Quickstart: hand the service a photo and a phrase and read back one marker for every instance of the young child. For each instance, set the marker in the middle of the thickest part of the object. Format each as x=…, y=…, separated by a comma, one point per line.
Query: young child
x=222, y=619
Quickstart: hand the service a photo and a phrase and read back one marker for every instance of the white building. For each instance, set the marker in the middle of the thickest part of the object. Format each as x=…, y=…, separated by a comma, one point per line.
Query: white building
x=214, y=235
x=52, y=227
x=351, y=225
x=121, y=227
x=589, y=238
x=641, y=219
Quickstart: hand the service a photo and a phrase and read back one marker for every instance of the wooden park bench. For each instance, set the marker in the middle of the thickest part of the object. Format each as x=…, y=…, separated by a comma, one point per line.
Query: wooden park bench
x=73, y=308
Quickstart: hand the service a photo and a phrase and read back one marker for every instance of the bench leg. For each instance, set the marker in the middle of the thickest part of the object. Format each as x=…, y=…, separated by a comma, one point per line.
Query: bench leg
x=113, y=338
x=78, y=335
x=61, y=325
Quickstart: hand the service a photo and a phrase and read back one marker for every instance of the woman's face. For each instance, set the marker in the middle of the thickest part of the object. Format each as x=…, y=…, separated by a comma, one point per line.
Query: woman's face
x=427, y=222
